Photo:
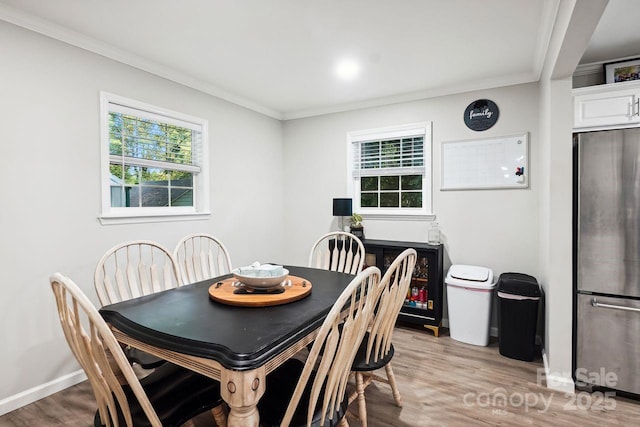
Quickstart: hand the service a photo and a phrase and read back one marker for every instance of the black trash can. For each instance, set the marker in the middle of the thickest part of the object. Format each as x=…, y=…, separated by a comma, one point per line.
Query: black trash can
x=518, y=298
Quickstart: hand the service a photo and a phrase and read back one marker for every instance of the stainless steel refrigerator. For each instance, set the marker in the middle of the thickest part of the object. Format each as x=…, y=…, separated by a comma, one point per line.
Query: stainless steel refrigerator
x=607, y=259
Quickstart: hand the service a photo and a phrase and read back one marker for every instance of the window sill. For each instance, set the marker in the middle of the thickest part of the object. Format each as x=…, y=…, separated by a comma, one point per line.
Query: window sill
x=399, y=217
x=139, y=219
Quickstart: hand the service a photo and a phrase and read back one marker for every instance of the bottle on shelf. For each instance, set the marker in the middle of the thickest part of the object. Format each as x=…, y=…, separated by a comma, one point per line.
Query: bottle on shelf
x=414, y=296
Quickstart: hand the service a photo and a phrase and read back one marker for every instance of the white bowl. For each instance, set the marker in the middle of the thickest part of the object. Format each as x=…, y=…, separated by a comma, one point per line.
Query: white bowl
x=260, y=282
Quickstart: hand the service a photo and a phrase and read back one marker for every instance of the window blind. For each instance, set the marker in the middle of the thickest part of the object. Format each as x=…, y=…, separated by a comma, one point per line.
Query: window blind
x=392, y=156
x=142, y=138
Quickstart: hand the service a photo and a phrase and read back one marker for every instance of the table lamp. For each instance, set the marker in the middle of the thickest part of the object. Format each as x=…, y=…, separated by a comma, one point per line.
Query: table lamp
x=342, y=208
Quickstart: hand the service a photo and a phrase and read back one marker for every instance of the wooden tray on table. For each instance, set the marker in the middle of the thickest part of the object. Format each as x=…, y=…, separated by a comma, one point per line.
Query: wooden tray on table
x=226, y=293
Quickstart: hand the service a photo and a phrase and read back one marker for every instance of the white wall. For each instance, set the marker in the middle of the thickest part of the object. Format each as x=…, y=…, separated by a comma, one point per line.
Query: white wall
x=493, y=228
x=556, y=234
x=50, y=192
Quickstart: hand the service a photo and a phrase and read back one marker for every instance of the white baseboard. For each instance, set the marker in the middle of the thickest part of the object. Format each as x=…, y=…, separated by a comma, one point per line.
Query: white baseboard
x=26, y=397
x=556, y=381
x=493, y=331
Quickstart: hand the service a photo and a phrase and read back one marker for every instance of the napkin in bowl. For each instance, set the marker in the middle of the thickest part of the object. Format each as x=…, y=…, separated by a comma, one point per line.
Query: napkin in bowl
x=262, y=270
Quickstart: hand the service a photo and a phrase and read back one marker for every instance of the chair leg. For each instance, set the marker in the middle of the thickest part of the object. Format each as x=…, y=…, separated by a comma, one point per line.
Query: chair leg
x=220, y=415
x=393, y=384
x=362, y=403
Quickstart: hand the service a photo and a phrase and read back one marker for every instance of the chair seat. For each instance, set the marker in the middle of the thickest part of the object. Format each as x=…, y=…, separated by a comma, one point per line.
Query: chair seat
x=359, y=363
x=145, y=360
x=176, y=394
x=281, y=384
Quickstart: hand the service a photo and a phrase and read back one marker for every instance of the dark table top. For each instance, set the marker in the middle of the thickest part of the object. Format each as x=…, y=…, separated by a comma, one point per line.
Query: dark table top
x=186, y=320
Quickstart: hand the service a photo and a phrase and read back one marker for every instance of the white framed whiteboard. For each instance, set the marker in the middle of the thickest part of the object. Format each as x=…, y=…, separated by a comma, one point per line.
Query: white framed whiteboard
x=500, y=162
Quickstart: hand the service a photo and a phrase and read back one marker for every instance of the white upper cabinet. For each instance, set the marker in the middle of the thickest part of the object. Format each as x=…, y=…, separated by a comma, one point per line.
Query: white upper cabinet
x=613, y=105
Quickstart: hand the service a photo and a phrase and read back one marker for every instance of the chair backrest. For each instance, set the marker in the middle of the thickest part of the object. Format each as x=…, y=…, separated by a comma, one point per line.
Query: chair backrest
x=336, y=345
x=98, y=352
x=395, y=284
x=338, y=251
x=135, y=268
x=201, y=256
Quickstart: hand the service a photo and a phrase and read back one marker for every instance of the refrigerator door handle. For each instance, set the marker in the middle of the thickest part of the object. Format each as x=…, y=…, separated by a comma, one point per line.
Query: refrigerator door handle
x=595, y=303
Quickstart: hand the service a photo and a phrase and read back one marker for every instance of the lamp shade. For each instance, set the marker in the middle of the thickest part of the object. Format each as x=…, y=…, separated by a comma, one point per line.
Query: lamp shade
x=342, y=207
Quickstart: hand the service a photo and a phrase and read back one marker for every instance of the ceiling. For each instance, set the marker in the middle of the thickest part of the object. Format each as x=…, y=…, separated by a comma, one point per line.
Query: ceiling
x=278, y=56
x=616, y=35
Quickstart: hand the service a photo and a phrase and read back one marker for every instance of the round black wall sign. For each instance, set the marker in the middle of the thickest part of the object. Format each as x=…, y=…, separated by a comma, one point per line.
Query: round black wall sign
x=481, y=114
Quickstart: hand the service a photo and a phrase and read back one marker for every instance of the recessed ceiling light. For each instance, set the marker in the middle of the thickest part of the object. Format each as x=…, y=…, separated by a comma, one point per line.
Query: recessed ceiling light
x=347, y=69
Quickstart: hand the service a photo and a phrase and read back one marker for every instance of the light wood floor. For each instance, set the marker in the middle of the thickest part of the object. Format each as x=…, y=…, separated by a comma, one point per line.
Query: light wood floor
x=442, y=382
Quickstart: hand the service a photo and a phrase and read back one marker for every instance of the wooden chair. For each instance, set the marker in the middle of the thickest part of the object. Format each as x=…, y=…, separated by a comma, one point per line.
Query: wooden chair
x=201, y=256
x=376, y=350
x=135, y=268
x=170, y=396
x=338, y=251
x=132, y=269
x=314, y=393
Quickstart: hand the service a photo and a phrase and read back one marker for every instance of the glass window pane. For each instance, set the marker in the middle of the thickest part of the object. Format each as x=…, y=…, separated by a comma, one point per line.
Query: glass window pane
x=181, y=197
x=132, y=196
x=389, y=183
x=181, y=179
x=412, y=182
x=369, y=183
x=389, y=200
x=147, y=139
x=115, y=133
x=155, y=176
x=369, y=200
x=154, y=196
x=117, y=197
x=412, y=199
x=370, y=155
x=117, y=172
x=132, y=174
x=391, y=153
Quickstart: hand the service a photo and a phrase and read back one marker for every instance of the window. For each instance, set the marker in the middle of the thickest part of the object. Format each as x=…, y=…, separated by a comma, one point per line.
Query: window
x=153, y=163
x=390, y=170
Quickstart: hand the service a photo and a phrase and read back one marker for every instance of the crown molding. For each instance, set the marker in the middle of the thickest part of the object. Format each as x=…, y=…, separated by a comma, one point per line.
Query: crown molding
x=492, y=83
x=550, y=13
x=60, y=33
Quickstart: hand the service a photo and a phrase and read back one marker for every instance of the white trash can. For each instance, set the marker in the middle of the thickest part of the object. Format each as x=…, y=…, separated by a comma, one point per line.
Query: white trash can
x=469, y=295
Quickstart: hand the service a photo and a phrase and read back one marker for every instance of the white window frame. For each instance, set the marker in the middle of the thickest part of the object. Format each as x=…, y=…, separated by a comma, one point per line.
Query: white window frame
x=398, y=131
x=122, y=215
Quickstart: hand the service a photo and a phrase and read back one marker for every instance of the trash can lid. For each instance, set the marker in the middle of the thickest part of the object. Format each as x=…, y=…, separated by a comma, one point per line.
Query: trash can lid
x=519, y=284
x=470, y=276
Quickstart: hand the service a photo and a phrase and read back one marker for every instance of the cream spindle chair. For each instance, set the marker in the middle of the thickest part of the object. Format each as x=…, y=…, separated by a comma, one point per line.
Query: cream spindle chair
x=170, y=396
x=338, y=251
x=132, y=269
x=135, y=268
x=315, y=393
x=376, y=350
x=201, y=256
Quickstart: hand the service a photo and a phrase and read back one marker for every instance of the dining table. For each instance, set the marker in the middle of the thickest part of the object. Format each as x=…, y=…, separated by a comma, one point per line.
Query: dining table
x=236, y=345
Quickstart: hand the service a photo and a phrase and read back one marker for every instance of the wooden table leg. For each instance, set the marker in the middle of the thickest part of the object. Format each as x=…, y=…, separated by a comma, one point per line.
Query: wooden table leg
x=242, y=390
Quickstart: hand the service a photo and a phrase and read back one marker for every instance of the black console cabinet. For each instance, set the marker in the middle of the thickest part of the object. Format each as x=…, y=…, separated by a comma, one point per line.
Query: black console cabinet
x=428, y=275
